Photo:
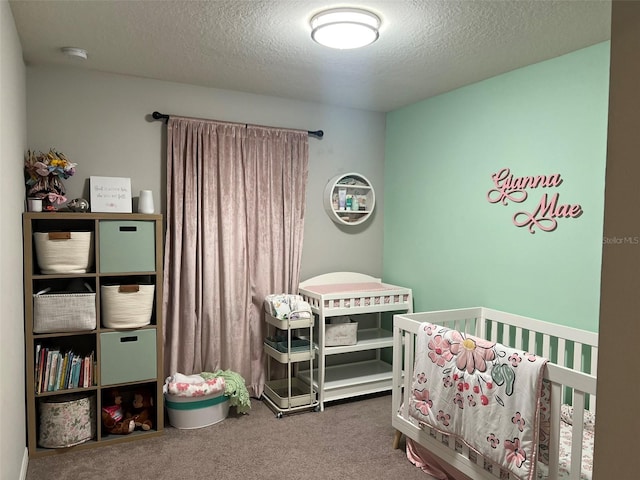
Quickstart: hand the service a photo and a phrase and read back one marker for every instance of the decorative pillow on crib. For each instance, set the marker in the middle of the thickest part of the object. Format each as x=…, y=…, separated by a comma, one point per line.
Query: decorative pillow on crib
x=566, y=415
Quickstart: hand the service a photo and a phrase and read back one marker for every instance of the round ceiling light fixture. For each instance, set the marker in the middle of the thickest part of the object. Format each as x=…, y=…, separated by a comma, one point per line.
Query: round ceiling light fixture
x=75, y=52
x=345, y=28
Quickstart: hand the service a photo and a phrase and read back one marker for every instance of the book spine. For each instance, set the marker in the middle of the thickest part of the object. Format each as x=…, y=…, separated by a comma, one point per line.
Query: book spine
x=45, y=380
x=56, y=385
x=62, y=370
x=67, y=375
x=37, y=367
x=94, y=368
x=52, y=371
x=81, y=372
x=74, y=373
x=87, y=371
x=41, y=367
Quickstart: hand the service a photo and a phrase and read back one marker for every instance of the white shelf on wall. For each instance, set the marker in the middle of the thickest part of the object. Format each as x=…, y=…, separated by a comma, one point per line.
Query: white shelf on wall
x=354, y=185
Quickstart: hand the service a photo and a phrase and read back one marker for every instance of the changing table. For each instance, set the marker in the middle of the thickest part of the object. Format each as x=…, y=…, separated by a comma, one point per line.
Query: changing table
x=352, y=294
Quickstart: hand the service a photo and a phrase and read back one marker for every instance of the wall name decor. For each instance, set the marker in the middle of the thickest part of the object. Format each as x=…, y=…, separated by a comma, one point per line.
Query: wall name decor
x=549, y=209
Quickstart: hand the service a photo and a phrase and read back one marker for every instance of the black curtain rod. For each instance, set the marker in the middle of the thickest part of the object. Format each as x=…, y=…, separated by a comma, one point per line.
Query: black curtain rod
x=162, y=116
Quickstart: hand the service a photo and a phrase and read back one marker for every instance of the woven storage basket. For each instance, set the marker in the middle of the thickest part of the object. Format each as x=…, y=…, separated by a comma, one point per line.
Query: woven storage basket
x=67, y=420
x=64, y=252
x=126, y=306
x=64, y=312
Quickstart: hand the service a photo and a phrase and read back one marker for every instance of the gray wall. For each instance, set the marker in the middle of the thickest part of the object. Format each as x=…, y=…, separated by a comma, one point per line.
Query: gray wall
x=102, y=122
x=13, y=454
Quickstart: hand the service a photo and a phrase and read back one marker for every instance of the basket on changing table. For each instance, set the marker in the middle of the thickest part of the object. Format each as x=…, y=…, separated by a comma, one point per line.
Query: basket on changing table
x=340, y=331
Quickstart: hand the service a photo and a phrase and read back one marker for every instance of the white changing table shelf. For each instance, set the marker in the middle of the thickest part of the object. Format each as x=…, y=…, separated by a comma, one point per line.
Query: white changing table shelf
x=349, y=293
x=352, y=379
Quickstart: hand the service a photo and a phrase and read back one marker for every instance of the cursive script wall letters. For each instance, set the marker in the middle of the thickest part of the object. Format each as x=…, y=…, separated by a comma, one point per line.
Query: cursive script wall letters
x=544, y=216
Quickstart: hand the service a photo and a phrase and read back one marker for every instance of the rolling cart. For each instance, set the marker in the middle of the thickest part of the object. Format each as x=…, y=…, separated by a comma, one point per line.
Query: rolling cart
x=289, y=343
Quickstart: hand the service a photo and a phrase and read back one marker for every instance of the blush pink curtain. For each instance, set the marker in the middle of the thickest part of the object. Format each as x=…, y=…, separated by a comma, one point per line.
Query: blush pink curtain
x=235, y=212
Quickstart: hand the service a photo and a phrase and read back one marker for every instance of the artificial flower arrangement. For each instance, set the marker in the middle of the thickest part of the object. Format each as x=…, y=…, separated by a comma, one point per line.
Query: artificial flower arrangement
x=44, y=173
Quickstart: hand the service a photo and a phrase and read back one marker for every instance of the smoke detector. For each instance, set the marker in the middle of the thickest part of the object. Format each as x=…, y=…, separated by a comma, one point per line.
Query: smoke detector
x=75, y=52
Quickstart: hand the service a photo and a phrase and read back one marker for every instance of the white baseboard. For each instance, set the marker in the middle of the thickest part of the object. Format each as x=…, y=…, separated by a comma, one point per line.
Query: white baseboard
x=25, y=464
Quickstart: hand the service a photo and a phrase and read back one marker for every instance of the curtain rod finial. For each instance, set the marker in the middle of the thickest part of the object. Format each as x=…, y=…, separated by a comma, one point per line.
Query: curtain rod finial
x=160, y=116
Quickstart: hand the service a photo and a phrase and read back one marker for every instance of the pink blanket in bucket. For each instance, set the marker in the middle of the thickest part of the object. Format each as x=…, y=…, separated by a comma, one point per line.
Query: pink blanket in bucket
x=483, y=393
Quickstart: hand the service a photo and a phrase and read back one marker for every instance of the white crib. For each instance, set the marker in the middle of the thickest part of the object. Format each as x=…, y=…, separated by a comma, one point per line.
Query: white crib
x=571, y=370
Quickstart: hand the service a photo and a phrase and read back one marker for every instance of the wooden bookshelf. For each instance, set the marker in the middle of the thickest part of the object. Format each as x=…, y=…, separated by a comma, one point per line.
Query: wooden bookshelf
x=92, y=344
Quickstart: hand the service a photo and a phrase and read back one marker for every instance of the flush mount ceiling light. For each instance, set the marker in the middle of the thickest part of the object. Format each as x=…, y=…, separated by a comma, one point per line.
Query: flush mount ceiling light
x=75, y=52
x=345, y=28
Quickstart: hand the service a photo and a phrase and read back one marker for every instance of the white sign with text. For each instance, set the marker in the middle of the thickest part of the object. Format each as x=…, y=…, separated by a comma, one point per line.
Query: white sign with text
x=110, y=194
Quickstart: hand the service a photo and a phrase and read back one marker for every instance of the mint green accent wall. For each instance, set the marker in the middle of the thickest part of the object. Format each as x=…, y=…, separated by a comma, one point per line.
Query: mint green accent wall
x=444, y=239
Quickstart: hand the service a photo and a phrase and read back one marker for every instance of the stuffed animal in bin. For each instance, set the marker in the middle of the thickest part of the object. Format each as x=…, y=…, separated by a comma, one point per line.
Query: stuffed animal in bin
x=115, y=419
x=142, y=405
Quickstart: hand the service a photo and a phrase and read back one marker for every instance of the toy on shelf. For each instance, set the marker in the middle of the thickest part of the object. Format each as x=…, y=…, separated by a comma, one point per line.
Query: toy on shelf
x=142, y=405
x=115, y=419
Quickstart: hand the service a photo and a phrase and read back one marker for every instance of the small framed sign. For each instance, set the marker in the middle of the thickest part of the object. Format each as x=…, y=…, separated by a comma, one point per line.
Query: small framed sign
x=110, y=194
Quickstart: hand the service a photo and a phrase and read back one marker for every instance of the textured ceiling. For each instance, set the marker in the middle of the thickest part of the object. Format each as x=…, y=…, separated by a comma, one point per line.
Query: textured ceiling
x=425, y=48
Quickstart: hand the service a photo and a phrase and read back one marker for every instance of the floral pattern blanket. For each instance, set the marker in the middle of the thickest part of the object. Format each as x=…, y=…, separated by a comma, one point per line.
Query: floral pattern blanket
x=483, y=393
x=193, y=385
x=286, y=305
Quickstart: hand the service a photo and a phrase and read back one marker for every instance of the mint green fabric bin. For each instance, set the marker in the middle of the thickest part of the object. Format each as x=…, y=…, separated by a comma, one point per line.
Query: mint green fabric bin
x=127, y=356
x=127, y=246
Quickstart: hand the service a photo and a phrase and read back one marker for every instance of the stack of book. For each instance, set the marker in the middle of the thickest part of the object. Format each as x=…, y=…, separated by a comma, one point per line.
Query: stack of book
x=62, y=370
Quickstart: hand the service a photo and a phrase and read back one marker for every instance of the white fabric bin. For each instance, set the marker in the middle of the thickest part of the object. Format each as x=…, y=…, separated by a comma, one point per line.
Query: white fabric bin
x=64, y=252
x=126, y=306
x=340, y=331
x=196, y=412
x=64, y=312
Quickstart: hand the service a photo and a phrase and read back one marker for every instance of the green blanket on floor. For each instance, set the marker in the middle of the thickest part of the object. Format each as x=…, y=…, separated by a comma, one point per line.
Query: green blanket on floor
x=235, y=389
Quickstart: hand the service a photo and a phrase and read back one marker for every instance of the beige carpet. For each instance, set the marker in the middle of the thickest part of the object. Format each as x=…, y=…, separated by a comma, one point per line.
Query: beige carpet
x=349, y=440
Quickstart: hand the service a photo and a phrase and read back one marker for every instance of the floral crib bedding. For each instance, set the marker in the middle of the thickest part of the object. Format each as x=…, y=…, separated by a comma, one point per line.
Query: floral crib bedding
x=588, y=435
x=423, y=459
x=456, y=373
x=466, y=387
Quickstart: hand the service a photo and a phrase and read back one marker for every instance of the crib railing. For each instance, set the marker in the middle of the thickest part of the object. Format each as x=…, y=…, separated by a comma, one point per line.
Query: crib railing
x=572, y=369
x=359, y=302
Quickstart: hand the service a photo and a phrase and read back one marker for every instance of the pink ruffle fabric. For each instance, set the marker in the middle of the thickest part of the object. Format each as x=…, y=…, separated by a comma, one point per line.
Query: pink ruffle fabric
x=437, y=470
